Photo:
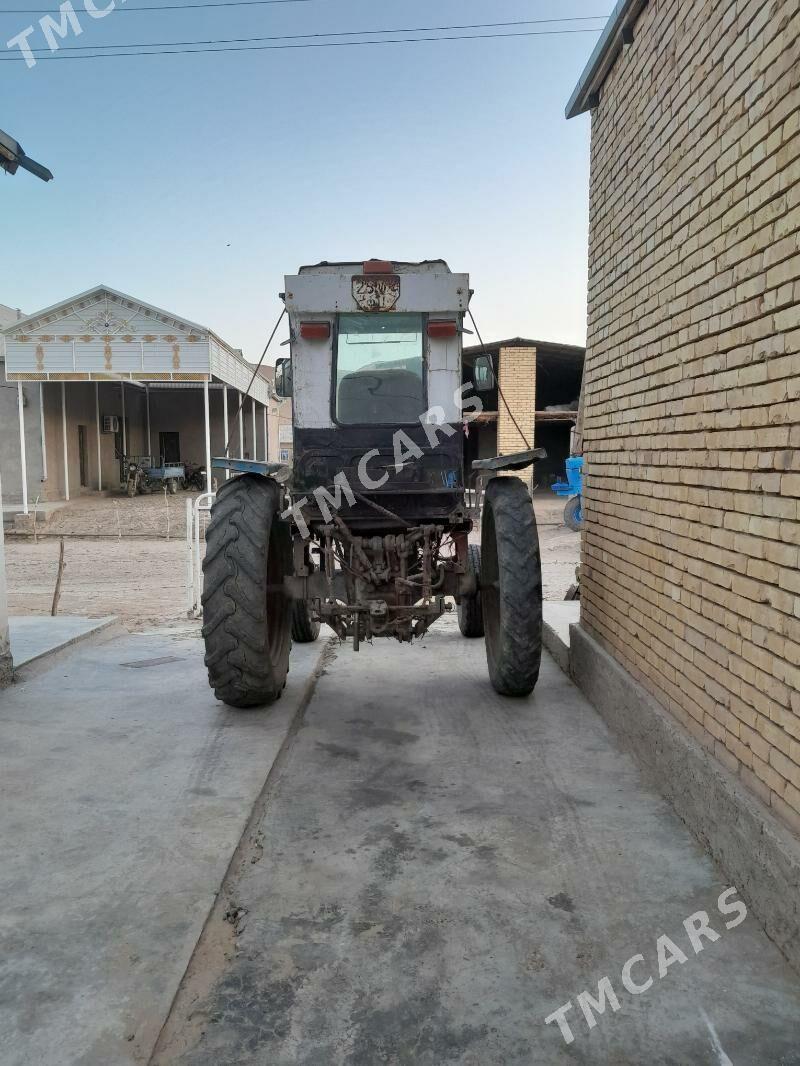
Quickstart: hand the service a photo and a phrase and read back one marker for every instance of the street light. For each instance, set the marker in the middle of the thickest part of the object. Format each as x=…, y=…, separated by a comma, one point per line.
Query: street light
x=12, y=156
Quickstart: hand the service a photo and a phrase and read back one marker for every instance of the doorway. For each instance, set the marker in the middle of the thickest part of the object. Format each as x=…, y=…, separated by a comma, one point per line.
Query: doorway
x=169, y=446
x=82, y=464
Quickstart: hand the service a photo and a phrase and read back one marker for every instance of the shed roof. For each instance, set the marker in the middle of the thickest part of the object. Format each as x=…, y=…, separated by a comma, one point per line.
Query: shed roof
x=525, y=342
x=602, y=59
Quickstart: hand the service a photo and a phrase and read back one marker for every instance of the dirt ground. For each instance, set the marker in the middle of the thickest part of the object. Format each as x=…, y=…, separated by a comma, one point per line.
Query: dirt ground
x=142, y=579
x=158, y=515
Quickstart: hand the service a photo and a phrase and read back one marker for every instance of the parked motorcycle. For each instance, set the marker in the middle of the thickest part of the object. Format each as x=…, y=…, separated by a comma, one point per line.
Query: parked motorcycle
x=195, y=477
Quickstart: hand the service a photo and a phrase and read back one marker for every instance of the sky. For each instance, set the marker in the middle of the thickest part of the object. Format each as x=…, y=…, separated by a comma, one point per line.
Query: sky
x=195, y=182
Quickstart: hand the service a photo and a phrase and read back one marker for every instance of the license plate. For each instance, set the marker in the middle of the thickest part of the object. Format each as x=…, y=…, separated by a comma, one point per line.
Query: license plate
x=378, y=293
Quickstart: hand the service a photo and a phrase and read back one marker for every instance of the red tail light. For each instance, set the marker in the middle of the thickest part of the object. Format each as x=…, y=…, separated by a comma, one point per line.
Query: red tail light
x=442, y=330
x=378, y=266
x=315, y=331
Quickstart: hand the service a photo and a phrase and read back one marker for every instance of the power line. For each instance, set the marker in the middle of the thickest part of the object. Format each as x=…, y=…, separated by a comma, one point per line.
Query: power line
x=282, y=47
x=165, y=7
x=174, y=7
x=308, y=36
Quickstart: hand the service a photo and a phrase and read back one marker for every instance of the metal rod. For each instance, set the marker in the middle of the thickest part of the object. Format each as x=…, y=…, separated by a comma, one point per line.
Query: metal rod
x=266, y=436
x=23, y=458
x=255, y=439
x=189, y=556
x=64, y=438
x=147, y=403
x=241, y=427
x=382, y=510
x=255, y=374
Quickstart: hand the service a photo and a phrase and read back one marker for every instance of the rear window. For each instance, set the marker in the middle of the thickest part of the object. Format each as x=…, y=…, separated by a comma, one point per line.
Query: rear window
x=379, y=369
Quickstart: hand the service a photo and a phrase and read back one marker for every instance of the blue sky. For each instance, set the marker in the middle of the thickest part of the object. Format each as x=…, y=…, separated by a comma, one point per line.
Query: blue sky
x=196, y=182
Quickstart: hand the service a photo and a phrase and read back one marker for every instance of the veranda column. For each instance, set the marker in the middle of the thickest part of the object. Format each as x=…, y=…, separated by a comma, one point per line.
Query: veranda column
x=208, y=435
x=64, y=438
x=22, y=455
x=97, y=427
x=41, y=431
x=225, y=425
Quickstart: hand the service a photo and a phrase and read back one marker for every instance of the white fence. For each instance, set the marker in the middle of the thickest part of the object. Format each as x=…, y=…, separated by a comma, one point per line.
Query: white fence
x=197, y=512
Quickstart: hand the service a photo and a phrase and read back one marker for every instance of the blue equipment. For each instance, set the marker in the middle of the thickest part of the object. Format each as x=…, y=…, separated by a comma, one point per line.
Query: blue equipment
x=572, y=488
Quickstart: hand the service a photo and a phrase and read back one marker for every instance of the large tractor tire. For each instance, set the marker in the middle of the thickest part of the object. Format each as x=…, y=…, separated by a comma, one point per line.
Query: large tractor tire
x=305, y=629
x=470, y=610
x=247, y=615
x=511, y=587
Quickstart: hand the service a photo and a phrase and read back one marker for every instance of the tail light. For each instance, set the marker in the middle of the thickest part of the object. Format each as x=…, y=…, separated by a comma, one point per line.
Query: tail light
x=442, y=330
x=315, y=331
x=378, y=266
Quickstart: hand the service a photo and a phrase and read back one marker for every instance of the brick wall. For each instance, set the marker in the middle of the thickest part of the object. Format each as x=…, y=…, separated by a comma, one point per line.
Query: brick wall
x=517, y=374
x=692, y=388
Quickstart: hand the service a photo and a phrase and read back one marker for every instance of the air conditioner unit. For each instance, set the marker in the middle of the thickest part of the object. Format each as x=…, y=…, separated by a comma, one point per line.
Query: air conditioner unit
x=111, y=423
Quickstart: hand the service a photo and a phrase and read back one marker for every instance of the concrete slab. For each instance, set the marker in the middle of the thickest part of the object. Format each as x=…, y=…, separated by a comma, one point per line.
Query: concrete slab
x=123, y=794
x=44, y=511
x=33, y=636
x=440, y=869
x=557, y=618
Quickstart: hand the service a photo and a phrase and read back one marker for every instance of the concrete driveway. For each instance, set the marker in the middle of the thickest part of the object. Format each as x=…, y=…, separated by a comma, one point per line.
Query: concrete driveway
x=438, y=870
x=124, y=791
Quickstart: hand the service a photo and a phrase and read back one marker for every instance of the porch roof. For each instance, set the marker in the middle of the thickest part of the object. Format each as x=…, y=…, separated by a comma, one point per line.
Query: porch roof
x=103, y=334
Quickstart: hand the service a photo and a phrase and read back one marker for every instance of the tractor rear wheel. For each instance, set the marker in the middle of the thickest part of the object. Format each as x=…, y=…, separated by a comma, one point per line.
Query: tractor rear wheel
x=470, y=610
x=305, y=629
x=511, y=587
x=247, y=614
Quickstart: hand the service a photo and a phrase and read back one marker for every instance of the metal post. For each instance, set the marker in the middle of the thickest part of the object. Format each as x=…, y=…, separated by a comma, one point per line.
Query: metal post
x=64, y=438
x=266, y=436
x=41, y=431
x=124, y=431
x=255, y=438
x=147, y=401
x=6, y=663
x=241, y=426
x=208, y=435
x=189, y=556
x=225, y=424
x=22, y=456
x=97, y=425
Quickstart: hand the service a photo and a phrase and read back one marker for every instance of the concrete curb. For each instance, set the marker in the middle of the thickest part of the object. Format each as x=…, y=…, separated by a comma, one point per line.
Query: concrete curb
x=752, y=847
x=69, y=642
x=557, y=616
x=209, y=951
x=556, y=646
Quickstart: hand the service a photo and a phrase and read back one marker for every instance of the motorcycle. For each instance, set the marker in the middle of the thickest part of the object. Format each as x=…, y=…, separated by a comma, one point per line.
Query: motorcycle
x=195, y=477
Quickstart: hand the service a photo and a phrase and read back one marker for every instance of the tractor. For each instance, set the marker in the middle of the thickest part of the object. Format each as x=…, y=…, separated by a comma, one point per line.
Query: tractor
x=368, y=529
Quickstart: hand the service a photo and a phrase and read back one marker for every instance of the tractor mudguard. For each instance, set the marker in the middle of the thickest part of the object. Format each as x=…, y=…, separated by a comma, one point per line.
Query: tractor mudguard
x=517, y=461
